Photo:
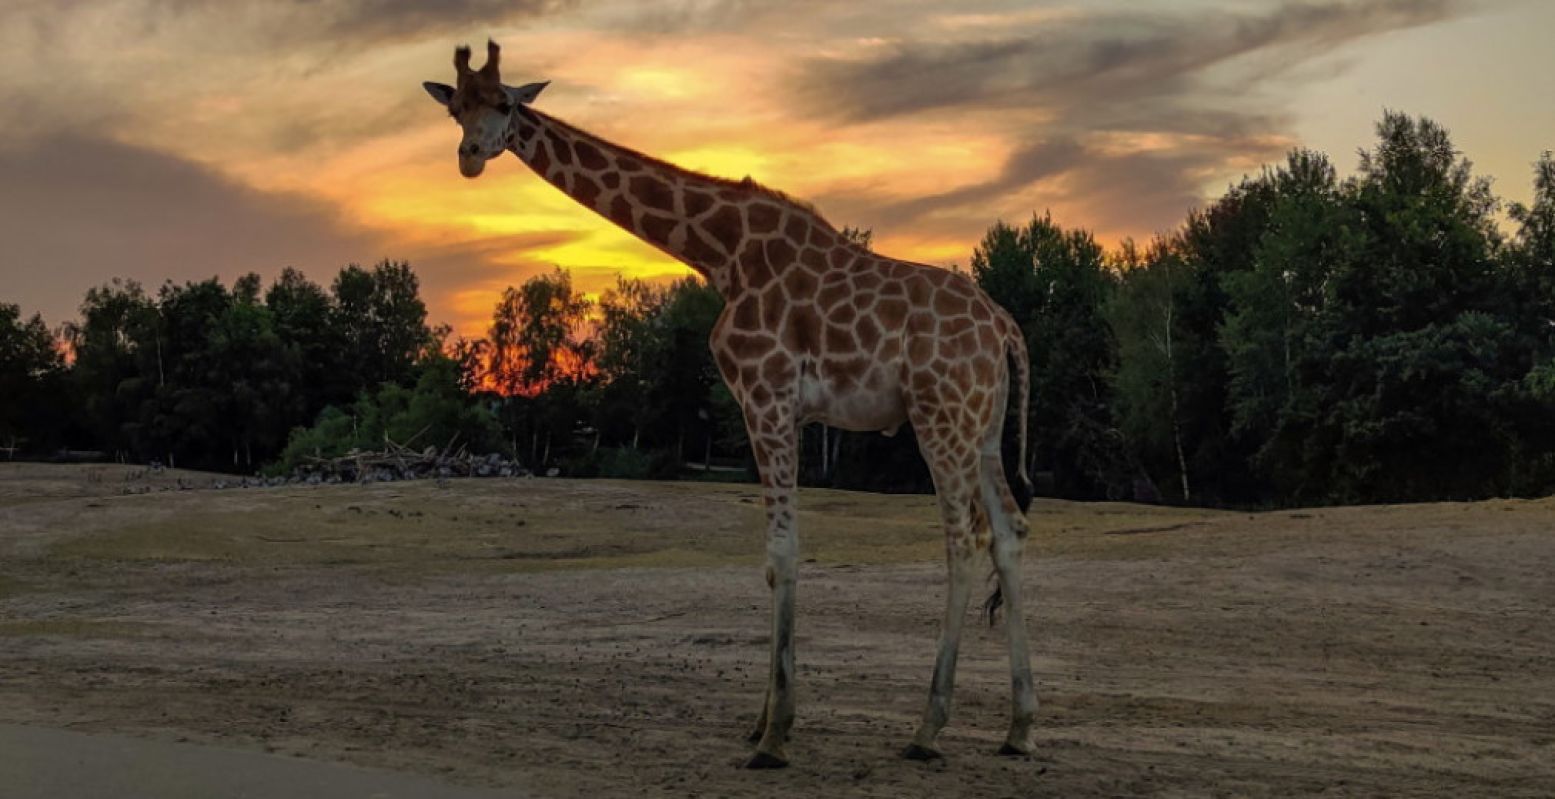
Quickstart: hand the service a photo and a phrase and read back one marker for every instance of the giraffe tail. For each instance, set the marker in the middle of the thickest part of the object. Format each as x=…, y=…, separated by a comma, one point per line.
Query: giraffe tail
x=1015, y=421
x=1013, y=449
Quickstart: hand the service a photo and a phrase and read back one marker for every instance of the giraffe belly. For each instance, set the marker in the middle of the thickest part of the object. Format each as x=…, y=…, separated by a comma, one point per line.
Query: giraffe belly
x=867, y=403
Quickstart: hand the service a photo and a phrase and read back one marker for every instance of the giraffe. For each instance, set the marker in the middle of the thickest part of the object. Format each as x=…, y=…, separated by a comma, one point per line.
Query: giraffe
x=814, y=328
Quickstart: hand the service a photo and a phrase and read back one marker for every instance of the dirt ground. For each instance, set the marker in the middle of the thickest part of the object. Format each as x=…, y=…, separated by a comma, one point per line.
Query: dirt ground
x=601, y=639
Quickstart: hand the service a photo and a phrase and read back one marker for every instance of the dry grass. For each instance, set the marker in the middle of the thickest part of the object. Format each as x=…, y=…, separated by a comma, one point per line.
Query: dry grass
x=69, y=626
x=540, y=525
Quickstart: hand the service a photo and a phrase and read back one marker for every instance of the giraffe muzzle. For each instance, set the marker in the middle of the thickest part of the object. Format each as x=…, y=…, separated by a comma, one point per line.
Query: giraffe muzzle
x=471, y=166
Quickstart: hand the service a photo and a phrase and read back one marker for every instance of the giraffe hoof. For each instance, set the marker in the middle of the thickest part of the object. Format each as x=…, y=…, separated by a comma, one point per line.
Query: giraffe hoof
x=765, y=760
x=921, y=753
x=1010, y=750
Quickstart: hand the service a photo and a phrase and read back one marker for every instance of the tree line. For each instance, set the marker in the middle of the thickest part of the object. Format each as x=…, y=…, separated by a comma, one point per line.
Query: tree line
x=204, y=375
x=1304, y=339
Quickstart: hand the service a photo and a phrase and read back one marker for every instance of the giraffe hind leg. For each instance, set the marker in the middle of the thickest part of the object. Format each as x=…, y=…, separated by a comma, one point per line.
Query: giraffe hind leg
x=1009, y=534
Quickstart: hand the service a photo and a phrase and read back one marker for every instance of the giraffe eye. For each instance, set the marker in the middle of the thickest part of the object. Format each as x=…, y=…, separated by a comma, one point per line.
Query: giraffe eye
x=504, y=108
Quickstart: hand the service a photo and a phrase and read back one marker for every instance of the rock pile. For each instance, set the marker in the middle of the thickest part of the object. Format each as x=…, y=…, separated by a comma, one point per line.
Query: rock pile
x=396, y=462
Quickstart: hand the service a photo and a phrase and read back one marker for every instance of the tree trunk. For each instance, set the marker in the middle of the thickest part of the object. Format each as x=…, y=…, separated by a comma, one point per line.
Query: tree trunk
x=1171, y=381
x=825, y=452
x=836, y=452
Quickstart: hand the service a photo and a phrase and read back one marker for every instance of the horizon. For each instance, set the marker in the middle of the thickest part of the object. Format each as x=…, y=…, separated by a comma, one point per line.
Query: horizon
x=300, y=136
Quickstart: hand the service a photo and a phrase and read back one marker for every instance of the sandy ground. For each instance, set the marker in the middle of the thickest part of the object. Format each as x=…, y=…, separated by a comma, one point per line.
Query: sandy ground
x=602, y=638
x=44, y=763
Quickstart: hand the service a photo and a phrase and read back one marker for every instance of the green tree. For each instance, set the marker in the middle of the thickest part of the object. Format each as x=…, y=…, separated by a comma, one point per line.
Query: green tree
x=537, y=361
x=302, y=314
x=1269, y=327
x=118, y=361
x=381, y=320
x=629, y=336
x=1056, y=284
x=685, y=368
x=32, y=373
x=1149, y=380
x=1402, y=356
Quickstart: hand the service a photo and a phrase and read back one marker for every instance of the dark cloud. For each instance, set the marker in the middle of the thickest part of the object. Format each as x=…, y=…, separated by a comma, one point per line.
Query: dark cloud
x=1138, y=71
x=1146, y=190
x=683, y=17
x=1091, y=60
x=75, y=212
x=364, y=21
x=1028, y=165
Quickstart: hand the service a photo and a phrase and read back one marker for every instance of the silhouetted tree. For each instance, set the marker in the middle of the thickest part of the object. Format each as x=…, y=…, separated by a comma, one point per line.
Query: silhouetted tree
x=33, y=414
x=1056, y=284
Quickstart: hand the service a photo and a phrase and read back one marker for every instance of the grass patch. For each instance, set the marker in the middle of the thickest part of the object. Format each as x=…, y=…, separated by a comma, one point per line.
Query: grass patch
x=72, y=627
x=543, y=525
x=10, y=586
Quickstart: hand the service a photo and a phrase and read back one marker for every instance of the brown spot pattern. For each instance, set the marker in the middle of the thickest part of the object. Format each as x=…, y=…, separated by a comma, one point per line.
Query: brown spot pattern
x=698, y=251
x=621, y=213
x=559, y=148
x=697, y=203
x=763, y=218
x=589, y=156
x=726, y=228
x=652, y=193
x=796, y=229
x=658, y=228
x=585, y=190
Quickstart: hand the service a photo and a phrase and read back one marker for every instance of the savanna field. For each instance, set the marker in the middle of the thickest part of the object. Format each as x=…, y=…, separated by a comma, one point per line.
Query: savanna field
x=586, y=638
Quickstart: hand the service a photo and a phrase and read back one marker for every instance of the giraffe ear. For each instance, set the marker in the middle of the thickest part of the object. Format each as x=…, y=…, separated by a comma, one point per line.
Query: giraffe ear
x=525, y=94
x=441, y=92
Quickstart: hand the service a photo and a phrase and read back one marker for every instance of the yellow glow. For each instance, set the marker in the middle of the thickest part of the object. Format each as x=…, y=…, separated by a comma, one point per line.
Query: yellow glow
x=729, y=161
x=664, y=82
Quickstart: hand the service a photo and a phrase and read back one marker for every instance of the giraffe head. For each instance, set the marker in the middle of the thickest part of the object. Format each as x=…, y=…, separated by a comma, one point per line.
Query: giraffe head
x=482, y=106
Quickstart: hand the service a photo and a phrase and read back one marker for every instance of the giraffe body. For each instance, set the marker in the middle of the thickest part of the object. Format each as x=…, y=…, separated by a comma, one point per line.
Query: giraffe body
x=814, y=328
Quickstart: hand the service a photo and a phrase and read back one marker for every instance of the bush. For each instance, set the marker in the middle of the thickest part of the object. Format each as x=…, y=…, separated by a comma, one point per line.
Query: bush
x=433, y=413
x=625, y=463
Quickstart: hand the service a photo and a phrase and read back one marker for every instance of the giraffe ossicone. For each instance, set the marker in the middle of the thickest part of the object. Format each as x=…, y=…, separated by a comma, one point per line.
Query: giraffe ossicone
x=814, y=328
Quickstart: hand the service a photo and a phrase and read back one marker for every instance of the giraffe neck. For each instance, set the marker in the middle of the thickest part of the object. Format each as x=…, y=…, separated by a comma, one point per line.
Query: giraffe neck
x=720, y=228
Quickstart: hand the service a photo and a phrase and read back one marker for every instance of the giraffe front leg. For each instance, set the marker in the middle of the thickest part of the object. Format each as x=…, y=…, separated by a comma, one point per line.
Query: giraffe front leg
x=773, y=443
x=761, y=720
x=782, y=575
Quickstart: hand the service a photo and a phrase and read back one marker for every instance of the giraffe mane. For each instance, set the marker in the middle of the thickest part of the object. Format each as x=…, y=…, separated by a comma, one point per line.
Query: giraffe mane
x=746, y=184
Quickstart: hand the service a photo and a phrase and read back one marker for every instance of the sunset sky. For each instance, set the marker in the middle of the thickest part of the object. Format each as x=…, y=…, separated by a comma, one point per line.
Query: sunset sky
x=179, y=139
